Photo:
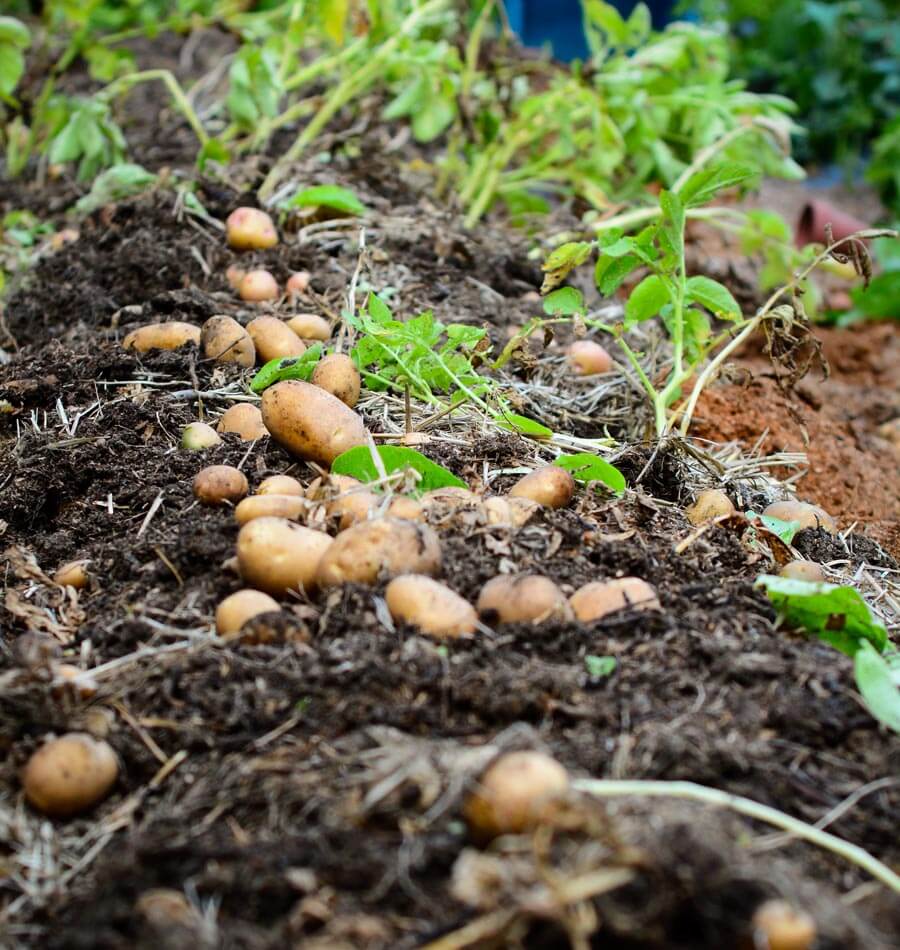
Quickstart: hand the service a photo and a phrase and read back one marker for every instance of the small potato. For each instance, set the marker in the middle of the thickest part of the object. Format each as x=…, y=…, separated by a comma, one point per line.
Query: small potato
x=298, y=283
x=324, y=489
x=273, y=339
x=72, y=574
x=167, y=910
x=162, y=336
x=70, y=774
x=550, y=486
x=778, y=925
x=276, y=555
x=249, y=229
x=310, y=326
x=197, y=436
x=244, y=419
x=280, y=485
x=224, y=340
x=430, y=606
x=310, y=422
x=890, y=431
x=62, y=238
x=234, y=275
x=801, y=570
x=711, y=503
x=352, y=507
x=522, y=598
x=600, y=598
x=292, y=507
x=236, y=609
x=385, y=547
x=588, y=358
x=509, y=511
x=219, y=484
x=338, y=375
x=809, y=516
x=70, y=679
x=257, y=286
x=406, y=508
x=515, y=795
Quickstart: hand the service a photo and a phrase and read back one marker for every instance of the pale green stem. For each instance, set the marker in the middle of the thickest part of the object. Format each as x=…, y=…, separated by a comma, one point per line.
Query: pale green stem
x=175, y=90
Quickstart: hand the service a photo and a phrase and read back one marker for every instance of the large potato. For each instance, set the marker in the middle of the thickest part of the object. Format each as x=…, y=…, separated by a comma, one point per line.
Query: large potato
x=250, y=229
x=310, y=326
x=70, y=774
x=292, y=507
x=550, y=486
x=245, y=420
x=310, y=422
x=224, y=340
x=337, y=374
x=235, y=610
x=429, y=605
x=220, y=484
x=809, y=516
x=384, y=547
x=600, y=598
x=274, y=339
x=162, y=336
x=276, y=555
x=522, y=598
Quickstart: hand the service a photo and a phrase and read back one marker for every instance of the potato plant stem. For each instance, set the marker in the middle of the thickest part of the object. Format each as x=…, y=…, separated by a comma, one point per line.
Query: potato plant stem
x=124, y=83
x=608, y=788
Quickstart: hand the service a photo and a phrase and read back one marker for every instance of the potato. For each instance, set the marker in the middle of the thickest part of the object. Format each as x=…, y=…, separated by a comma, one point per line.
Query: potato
x=197, y=436
x=509, y=511
x=162, y=336
x=292, y=507
x=273, y=339
x=280, y=485
x=809, y=516
x=298, y=283
x=406, y=508
x=70, y=679
x=890, y=431
x=224, y=340
x=338, y=375
x=249, y=229
x=588, y=358
x=324, y=489
x=218, y=484
x=430, y=606
x=351, y=507
x=711, y=503
x=778, y=925
x=515, y=795
x=385, y=547
x=72, y=574
x=450, y=498
x=550, y=486
x=522, y=598
x=165, y=910
x=276, y=555
x=309, y=326
x=70, y=774
x=62, y=238
x=234, y=275
x=257, y=286
x=236, y=609
x=600, y=598
x=801, y=570
x=244, y=419
x=310, y=422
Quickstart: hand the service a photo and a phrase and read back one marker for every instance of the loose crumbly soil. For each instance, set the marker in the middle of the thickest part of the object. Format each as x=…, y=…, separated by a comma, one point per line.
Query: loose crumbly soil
x=306, y=792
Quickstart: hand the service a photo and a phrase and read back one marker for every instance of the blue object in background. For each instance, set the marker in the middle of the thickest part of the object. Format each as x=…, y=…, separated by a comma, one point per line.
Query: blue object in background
x=559, y=23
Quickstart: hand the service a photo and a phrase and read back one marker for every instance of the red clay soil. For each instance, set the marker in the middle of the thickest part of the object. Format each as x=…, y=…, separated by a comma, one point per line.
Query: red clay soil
x=853, y=473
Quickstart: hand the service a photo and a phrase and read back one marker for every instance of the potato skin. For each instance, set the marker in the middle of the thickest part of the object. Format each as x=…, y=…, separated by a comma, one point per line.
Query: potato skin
x=298, y=283
x=514, y=794
x=310, y=422
x=383, y=547
x=711, y=503
x=258, y=286
x=224, y=340
x=550, y=486
x=802, y=570
x=351, y=507
x=337, y=374
x=291, y=507
x=600, y=598
x=72, y=574
x=310, y=326
x=280, y=485
x=503, y=510
x=778, y=925
x=276, y=555
x=522, y=598
x=249, y=229
x=217, y=484
x=274, y=339
x=162, y=336
x=588, y=358
x=236, y=609
x=429, y=605
x=197, y=436
x=70, y=774
x=244, y=419
x=809, y=516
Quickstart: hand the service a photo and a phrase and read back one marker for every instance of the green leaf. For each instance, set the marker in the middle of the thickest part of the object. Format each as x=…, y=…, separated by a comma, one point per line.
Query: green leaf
x=566, y=300
x=513, y=422
x=611, y=272
x=591, y=468
x=329, y=196
x=837, y=615
x=714, y=296
x=429, y=122
x=878, y=679
x=358, y=462
x=881, y=299
x=599, y=667
x=12, y=65
x=562, y=261
x=334, y=19
x=646, y=300
x=704, y=185
x=14, y=32
x=785, y=530
x=287, y=367
x=115, y=184
x=672, y=222
x=213, y=151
